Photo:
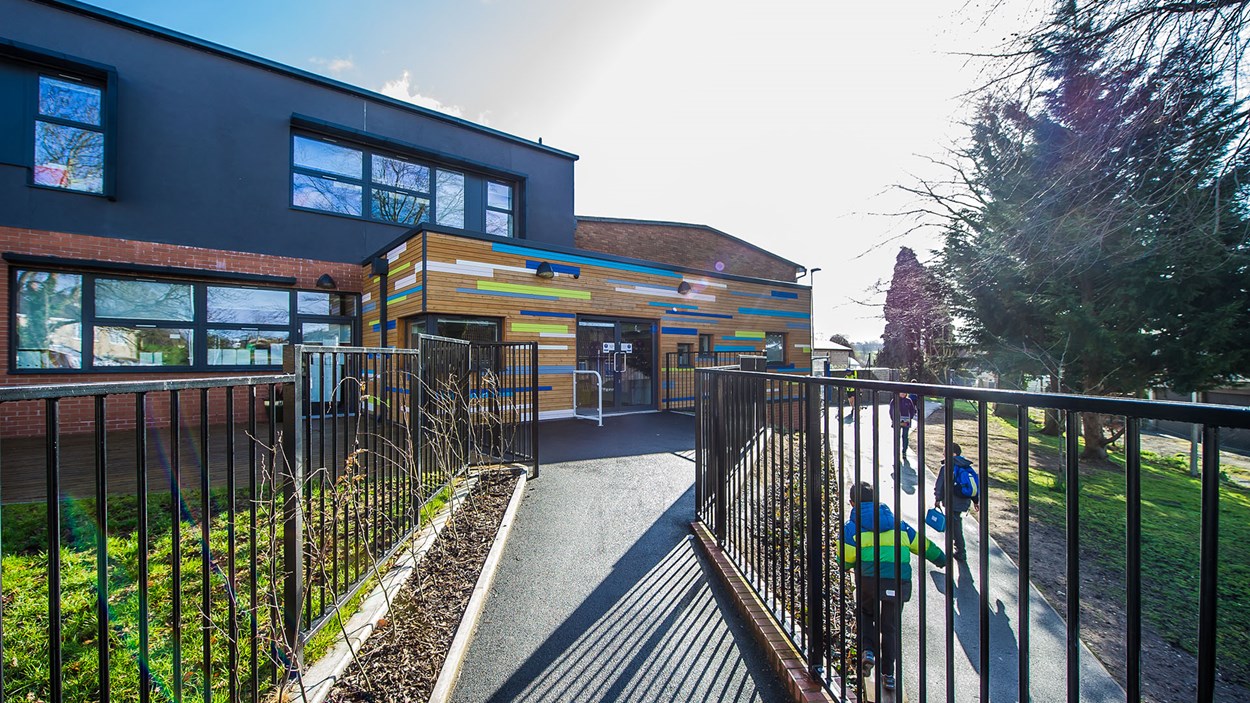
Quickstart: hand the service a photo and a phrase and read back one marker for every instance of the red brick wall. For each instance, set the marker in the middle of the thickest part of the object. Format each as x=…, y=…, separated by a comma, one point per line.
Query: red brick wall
x=77, y=415
x=692, y=246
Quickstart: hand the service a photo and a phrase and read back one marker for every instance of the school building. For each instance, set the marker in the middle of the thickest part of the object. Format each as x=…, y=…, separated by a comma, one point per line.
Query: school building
x=172, y=207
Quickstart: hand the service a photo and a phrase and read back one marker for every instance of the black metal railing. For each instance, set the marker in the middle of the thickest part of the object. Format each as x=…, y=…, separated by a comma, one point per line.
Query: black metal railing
x=221, y=523
x=679, y=368
x=775, y=459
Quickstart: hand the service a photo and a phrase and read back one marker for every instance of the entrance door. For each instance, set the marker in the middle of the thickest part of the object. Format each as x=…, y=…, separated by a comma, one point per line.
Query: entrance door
x=325, y=373
x=623, y=352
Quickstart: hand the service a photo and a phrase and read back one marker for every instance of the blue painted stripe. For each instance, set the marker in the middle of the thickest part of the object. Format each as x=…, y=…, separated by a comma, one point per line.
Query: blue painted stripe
x=784, y=294
x=506, y=294
x=798, y=326
x=702, y=314
x=524, y=370
x=588, y=260
x=742, y=294
x=390, y=325
x=368, y=307
x=679, y=330
x=673, y=305
x=402, y=294
x=405, y=391
x=558, y=268
x=763, y=312
x=735, y=347
x=674, y=400
x=539, y=313
x=736, y=338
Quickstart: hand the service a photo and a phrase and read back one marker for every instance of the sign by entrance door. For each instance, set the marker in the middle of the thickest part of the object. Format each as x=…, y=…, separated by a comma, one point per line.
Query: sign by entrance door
x=623, y=352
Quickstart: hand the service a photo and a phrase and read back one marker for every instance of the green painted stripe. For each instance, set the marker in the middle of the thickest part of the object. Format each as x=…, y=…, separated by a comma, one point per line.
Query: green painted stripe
x=533, y=290
x=749, y=334
x=373, y=322
x=538, y=327
x=398, y=267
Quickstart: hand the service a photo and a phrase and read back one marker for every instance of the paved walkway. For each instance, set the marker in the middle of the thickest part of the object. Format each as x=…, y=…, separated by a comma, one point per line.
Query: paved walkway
x=601, y=595
x=1047, y=633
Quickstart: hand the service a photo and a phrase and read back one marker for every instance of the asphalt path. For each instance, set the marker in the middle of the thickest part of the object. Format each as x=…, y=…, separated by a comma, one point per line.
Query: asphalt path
x=601, y=594
x=1047, y=633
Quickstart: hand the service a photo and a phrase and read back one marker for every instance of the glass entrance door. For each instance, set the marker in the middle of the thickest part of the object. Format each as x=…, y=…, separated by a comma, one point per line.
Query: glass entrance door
x=623, y=352
x=325, y=372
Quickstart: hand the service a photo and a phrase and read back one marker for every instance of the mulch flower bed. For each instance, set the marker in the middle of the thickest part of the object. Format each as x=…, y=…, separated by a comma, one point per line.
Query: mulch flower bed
x=402, y=660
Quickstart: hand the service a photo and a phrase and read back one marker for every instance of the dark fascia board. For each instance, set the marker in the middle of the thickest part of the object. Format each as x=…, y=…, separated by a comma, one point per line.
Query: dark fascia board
x=118, y=267
x=556, y=248
x=399, y=146
x=691, y=225
x=159, y=32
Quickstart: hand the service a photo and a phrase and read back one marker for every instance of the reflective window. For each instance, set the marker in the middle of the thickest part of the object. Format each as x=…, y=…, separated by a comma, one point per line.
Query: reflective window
x=49, y=320
x=499, y=209
x=400, y=207
x=316, y=303
x=400, y=174
x=450, y=195
x=325, y=194
x=142, y=346
x=498, y=223
x=775, y=347
x=472, y=329
x=323, y=156
x=144, y=300
x=499, y=196
x=69, y=136
x=249, y=306
x=246, y=347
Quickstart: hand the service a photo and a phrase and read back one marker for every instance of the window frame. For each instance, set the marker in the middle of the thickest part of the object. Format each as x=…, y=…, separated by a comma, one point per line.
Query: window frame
x=487, y=208
x=784, y=355
x=365, y=182
x=35, y=61
x=199, y=325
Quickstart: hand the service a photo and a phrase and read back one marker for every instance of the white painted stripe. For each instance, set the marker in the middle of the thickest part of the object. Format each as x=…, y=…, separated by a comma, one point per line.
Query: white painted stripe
x=668, y=294
x=561, y=335
x=704, y=282
x=401, y=283
x=555, y=414
x=444, y=267
x=394, y=253
x=366, y=297
x=553, y=347
x=497, y=267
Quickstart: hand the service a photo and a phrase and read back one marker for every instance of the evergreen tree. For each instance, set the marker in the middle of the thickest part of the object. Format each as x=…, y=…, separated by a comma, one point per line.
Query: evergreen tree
x=917, y=321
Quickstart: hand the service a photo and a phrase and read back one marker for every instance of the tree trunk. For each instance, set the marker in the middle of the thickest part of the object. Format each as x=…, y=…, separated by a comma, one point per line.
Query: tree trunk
x=1050, y=427
x=1095, y=442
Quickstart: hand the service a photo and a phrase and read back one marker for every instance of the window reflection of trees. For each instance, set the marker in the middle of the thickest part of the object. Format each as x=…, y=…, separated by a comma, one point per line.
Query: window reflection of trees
x=69, y=157
x=144, y=300
x=49, y=320
x=249, y=306
x=325, y=194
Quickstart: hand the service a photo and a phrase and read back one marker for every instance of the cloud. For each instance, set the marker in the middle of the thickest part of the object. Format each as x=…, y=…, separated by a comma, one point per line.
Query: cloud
x=403, y=89
x=335, y=66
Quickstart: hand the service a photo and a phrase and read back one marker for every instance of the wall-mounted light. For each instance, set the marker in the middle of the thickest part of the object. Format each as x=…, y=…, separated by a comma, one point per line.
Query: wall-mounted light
x=326, y=282
x=544, y=271
x=683, y=287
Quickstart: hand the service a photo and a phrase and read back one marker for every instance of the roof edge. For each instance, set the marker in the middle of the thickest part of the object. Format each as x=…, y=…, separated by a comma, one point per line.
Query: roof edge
x=691, y=225
x=138, y=25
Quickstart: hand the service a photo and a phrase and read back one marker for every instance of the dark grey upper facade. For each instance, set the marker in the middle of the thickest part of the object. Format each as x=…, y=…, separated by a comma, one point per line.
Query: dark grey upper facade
x=200, y=142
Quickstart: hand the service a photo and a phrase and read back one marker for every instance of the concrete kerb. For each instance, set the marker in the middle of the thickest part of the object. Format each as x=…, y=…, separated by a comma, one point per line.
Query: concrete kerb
x=452, y=664
x=328, y=670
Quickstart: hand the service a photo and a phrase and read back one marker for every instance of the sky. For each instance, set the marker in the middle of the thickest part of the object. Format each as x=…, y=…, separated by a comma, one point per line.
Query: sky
x=786, y=123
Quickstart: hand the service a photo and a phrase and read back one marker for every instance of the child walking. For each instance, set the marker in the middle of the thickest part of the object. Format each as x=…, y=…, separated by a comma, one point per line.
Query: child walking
x=966, y=494
x=873, y=540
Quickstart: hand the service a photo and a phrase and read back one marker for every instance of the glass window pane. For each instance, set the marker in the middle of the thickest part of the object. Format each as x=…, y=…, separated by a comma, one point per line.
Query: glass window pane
x=330, y=158
x=69, y=157
x=325, y=194
x=326, y=334
x=397, y=207
x=449, y=201
x=469, y=329
x=246, y=347
x=775, y=347
x=249, y=306
x=69, y=100
x=49, y=320
x=499, y=196
x=498, y=223
x=143, y=346
x=314, y=303
x=401, y=174
x=144, y=300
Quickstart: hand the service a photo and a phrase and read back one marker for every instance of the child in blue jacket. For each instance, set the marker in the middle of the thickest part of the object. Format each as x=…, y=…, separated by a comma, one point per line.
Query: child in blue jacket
x=873, y=541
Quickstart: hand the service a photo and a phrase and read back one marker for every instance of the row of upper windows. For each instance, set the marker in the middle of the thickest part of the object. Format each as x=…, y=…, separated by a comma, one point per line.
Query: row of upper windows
x=326, y=175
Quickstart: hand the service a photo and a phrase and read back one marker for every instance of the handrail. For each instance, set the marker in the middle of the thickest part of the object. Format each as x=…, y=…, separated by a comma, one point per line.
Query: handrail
x=600, y=379
x=76, y=390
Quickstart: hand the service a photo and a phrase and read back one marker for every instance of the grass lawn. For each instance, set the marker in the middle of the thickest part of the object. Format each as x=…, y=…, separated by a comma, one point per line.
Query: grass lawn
x=25, y=597
x=1171, y=517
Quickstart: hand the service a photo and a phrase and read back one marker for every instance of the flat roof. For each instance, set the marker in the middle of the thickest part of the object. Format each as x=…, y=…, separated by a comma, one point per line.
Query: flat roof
x=159, y=32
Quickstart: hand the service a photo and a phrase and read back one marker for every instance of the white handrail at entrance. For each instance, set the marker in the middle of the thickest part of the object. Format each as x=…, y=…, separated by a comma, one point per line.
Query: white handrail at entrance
x=599, y=394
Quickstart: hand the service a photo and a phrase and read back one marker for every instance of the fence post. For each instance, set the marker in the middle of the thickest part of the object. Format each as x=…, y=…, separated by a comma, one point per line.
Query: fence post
x=720, y=457
x=815, y=535
x=534, y=404
x=292, y=479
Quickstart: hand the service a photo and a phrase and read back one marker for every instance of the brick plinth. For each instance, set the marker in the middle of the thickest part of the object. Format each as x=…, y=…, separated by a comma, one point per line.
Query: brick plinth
x=782, y=655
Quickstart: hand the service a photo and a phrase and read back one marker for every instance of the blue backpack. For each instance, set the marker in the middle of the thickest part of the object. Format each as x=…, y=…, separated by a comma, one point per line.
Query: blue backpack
x=966, y=481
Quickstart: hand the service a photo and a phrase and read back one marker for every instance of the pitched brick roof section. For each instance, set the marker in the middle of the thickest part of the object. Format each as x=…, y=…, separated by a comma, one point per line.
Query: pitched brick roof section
x=682, y=244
